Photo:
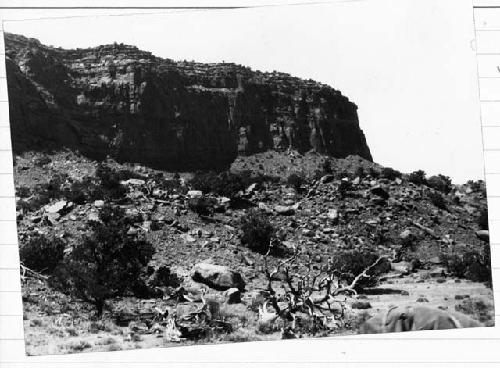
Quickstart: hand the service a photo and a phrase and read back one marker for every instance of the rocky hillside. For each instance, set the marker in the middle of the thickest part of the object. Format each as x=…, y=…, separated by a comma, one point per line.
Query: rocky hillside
x=431, y=237
x=116, y=100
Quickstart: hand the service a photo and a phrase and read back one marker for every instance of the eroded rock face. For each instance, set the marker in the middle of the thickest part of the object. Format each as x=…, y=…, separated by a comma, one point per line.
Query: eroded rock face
x=116, y=100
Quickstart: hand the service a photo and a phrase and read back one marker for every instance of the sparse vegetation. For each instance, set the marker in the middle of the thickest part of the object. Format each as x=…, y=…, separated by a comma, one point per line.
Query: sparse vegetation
x=106, y=263
x=390, y=173
x=437, y=200
x=257, y=231
x=295, y=181
x=469, y=262
x=224, y=184
x=482, y=219
x=334, y=232
x=42, y=253
x=351, y=263
x=203, y=206
x=440, y=182
x=417, y=177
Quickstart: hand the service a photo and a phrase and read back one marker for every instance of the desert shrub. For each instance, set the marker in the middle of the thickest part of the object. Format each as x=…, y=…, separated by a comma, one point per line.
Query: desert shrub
x=84, y=191
x=343, y=174
x=477, y=186
x=482, y=219
x=389, y=173
x=106, y=263
x=318, y=174
x=351, y=263
x=296, y=181
x=466, y=261
x=437, y=200
x=360, y=172
x=344, y=187
x=110, y=182
x=203, y=206
x=257, y=231
x=440, y=182
x=483, y=311
x=44, y=193
x=78, y=346
x=53, y=189
x=42, y=161
x=327, y=166
x=224, y=184
x=170, y=185
x=374, y=173
x=417, y=177
x=23, y=192
x=32, y=204
x=42, y=253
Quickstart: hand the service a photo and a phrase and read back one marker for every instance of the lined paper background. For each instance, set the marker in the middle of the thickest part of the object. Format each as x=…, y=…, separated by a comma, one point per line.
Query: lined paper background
x=462, y=348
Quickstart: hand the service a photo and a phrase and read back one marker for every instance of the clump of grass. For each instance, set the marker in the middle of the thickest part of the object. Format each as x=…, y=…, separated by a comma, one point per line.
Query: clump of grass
x=78, y=346
x=242, y=335
x=72, y=331
x=478, y=309
x=107, y=341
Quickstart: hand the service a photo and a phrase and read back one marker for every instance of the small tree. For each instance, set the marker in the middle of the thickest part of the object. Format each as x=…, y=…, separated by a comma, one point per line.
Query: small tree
x=472, y=263
x=106, y=263
x=390, y=173
x=440, y=182
x=327, y=166
x=110, y=182
x=417, y=177
x=257, y=231
x=296, y=181
x=437, y=200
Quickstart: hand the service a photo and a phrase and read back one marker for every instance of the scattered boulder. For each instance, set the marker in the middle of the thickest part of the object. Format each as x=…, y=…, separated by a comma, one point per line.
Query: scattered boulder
x=333, y=215
x=406, y=237
x=217, y=277
x=133, y=182
x=484, y=235
x=379, y=191
x=93, y=216
x=264, y=207
x=233, y=296
x=251, y=188
x=194, y=193
x=58, y=207
x=437, y=272
x=285, y=210
x=187, y=238
x=361, y=304
x=403, y=267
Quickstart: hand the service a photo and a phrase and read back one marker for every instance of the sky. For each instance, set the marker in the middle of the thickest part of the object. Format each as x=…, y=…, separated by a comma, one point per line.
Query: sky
x=409, y=65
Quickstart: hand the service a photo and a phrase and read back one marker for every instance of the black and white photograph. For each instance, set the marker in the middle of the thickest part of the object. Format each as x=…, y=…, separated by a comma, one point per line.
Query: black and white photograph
x=191, y=177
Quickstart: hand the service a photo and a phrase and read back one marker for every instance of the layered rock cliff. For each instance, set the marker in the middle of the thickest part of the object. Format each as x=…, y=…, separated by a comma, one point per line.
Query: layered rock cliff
x=116, y=100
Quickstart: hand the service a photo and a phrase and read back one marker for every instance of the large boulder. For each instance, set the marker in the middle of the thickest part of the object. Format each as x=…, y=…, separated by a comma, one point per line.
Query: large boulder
x=217, y=277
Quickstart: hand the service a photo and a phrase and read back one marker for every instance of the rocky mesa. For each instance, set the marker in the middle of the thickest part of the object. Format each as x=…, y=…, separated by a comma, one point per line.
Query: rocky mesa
x=118, y=101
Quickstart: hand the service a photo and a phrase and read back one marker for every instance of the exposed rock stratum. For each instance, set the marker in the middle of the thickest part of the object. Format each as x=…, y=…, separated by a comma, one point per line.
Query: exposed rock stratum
x=118, y=101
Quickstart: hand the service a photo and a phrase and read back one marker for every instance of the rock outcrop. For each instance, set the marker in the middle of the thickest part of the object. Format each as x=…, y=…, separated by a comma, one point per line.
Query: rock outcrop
x=116, y=100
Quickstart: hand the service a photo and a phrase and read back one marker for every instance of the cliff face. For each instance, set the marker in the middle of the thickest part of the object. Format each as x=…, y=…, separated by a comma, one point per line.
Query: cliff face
x=120, y=101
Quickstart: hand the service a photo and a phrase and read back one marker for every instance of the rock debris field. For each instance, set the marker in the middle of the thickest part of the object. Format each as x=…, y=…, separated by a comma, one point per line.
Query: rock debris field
x=282, y=245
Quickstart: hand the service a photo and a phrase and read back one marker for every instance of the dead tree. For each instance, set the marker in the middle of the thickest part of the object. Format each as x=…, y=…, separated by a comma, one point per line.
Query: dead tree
x=316, y=293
